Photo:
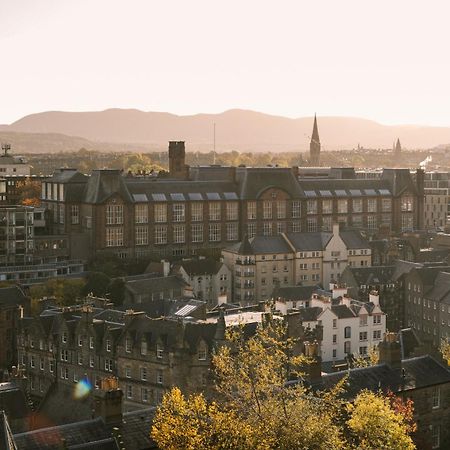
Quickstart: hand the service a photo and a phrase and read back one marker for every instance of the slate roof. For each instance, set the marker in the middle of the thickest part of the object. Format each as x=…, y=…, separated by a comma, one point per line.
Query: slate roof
x=12, y=295
x=372, y=275
x=310, y=314
x=441, y=287
x=254, y=181
x=6, y=438
x=399, y=180
x=134, y=431
x=353, y=240
x=419, y=372
x=309, y=241
x=156, y=284
x=295, y=293
x=409, y=342
x=342, y=311
x=13, y=401
x=205, y=266
x=103, y=184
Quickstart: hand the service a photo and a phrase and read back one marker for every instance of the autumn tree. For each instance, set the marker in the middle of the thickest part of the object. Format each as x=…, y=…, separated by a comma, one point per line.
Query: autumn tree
x=29, y=192
x=253, y=407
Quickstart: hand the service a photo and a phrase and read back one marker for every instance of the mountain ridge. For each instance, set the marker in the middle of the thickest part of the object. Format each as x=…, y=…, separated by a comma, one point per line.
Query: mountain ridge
x=236, y=129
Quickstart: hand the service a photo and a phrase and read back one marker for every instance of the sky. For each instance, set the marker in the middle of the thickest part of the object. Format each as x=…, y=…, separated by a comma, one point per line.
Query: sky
x=385, y=60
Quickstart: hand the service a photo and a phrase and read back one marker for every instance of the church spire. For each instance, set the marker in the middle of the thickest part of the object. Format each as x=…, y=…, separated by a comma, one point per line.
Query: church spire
x=398, y=147
x=314, y=146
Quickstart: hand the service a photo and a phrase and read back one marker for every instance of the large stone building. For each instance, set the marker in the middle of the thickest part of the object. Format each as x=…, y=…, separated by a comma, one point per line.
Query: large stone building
x=203, y=209
x=262, y=263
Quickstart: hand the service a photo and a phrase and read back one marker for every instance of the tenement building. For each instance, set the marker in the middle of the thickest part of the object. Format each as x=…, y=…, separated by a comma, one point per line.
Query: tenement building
x=193, y=210
x=262, y=263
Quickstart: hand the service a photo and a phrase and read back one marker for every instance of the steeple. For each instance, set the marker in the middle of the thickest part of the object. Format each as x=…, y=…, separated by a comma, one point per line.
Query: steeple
x=314, y=146
x=398, y=147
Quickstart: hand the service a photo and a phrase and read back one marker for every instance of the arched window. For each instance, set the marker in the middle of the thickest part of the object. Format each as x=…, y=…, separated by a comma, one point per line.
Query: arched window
x=347, y=332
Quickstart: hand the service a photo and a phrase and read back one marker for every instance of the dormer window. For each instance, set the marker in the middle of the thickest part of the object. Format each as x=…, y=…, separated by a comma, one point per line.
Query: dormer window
x=159, y=351
x=108, y=345
x=202, y=353
x=64, y=337
x=128, y=345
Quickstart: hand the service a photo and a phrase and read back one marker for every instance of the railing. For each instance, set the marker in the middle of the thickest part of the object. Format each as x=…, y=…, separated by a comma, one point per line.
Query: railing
x=42, y=267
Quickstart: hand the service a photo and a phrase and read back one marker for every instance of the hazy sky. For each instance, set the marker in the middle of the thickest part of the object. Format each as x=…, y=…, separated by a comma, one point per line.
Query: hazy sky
x=386, y=60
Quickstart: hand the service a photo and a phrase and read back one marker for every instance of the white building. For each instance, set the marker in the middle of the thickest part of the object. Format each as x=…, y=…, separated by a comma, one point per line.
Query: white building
x=13, y=165
x=349, y=326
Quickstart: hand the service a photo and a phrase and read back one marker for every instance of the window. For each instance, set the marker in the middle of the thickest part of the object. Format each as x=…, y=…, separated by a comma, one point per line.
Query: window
x=251, y=210
x=202, y=354
x=214, y=211
x=327, y=223
x=267, y=210
x=75, y=377
x=347, y=347
x=32, y=363
x=376, y=319
x=178, y=212
x=159, y=351
x=128, y=345
x=114, y=237
x=251, y=230
x=312, y=224
x=363, y=321
x=91, y=342
x=179, y=234
x=342, y=206
x=267, y=229
x=196, y=212
x=91, y=361
x=335, y=324
x=296, y=209
x=80, y=358
x=281, y=209
x=327, y=206
x=141, y=213
x=64, y=373
x=214, y=232
x=108, y=345
x=143, y=373
x=347, y=332
x=75, y=214
x=363, y=336
x=64, y=337
x=127, y=372
x=311, y=207
x=61, y=213
x=296, y=227
x=141, y=235
x=144, y=395
x=371, y=222
x=160, y=212
x=281, y=227
x=386, y=205
x=436, y=397
x=363, y=351
x=51, y=366
x=143, y=347
x=161, y=234
x=357, y=205
x=114, y=214
x=407, y=203
x=376, y=335
x=334, y=353
x=159, y=377
x=371, y=205
x=357, y=221
x=334, y=338
x=435, y=436
x=108, y=365
x=232, y=210
x=129, y=391
x=407, y=222
x=232, y=231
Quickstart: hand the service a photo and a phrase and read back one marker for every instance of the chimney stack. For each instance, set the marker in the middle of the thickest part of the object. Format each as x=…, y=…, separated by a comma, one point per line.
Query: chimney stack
x=314, y=368
x=108, y=401
x=390, y=351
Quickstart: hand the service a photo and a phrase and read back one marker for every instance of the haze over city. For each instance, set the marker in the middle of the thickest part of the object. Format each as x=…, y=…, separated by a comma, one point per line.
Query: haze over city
x=384, y=61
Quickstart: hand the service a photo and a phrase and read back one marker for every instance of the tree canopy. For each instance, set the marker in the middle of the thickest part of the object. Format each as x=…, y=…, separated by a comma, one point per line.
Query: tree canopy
x=252, y=407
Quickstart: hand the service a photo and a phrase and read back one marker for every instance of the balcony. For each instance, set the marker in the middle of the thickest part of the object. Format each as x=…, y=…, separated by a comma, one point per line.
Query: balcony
x=245, y=273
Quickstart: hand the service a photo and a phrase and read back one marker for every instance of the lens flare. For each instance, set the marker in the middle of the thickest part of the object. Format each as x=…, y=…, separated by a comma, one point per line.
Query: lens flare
x=82, y=389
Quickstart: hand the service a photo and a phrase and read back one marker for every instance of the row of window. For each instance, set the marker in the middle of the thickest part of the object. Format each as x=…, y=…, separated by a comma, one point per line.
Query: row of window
x=356, y=205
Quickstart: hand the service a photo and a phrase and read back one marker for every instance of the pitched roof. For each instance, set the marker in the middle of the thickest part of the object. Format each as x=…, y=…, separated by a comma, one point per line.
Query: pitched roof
x=12, y=295
x=206, y=266
x=295, y=292
x=269, y=244
x=354, y=239
x=13, y=401
x=145, y=284
x=371, y=275
x=309, y=241
x=419, y=372
x=310, y=314
x=92, y=434
x=342, y=311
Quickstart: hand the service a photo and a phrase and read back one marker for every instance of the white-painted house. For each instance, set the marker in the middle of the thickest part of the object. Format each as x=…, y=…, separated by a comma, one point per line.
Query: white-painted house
x=349, y=326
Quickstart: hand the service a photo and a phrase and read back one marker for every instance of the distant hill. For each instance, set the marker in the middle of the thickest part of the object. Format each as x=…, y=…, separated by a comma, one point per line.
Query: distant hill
x=235, y=130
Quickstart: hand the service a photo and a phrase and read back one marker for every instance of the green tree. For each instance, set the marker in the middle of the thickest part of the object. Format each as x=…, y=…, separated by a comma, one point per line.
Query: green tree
x=97, y=284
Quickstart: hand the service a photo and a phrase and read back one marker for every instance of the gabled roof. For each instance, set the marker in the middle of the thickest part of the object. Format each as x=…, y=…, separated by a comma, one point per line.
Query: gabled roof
x=354, y=240
x=206, y=266
x=342, y=312
x=12, y=295
x=441, y=287
x=309, y=241
x=103, y=184
x=310, y=314
x=140, y=285
x=371, y=275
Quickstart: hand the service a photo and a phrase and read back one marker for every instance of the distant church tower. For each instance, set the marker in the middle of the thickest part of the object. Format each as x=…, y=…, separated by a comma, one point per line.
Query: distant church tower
x=397, y=148
x=314, y=146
